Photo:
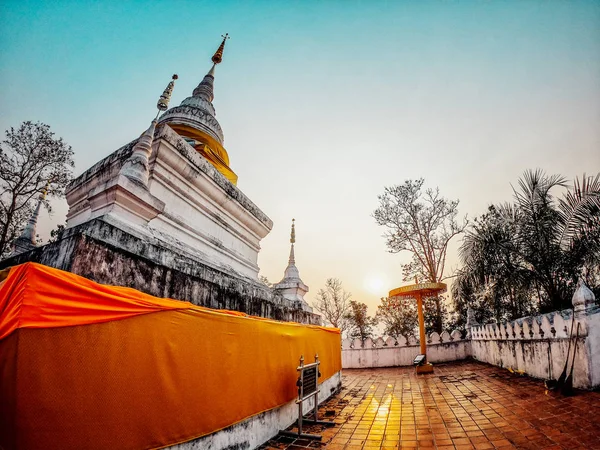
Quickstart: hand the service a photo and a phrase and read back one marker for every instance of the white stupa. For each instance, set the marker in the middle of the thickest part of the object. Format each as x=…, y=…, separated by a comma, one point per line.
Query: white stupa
x=291, y=286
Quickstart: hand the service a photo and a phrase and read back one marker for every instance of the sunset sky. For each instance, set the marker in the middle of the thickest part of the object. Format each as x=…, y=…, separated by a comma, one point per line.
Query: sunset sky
x=324, y=103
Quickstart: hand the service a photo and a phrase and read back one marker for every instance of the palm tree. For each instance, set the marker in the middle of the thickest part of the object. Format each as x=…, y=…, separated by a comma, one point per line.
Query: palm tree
x=492, y=271
x=527, y=256
x=580, y=218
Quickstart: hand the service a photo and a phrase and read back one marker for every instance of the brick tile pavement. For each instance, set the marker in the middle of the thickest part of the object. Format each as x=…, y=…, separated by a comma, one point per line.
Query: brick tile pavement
x=466, y=405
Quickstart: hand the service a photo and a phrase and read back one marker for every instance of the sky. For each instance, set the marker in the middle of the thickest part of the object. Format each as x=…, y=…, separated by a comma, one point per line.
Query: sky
x=323, y=104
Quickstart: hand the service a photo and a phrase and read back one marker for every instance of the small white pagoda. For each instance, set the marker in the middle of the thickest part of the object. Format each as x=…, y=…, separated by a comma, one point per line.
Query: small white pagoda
x=291, y=286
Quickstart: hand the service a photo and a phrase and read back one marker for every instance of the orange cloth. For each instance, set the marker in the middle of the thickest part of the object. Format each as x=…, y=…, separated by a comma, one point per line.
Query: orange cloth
x=148, y=381
x=38, y=296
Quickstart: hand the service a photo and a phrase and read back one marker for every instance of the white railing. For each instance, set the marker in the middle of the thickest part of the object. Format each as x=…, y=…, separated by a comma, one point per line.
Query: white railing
x=554, y=325
x=391, y=352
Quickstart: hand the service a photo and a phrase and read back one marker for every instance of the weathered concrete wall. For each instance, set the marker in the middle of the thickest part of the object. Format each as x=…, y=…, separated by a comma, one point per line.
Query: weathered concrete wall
x=391, y=353
x=107, y=254
x=538, y=346
x=593, y=347
x=254, y=431
x=540, y=358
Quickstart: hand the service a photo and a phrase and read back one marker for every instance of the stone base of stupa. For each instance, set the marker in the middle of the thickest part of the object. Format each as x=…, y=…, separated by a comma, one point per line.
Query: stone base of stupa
x=107, y=254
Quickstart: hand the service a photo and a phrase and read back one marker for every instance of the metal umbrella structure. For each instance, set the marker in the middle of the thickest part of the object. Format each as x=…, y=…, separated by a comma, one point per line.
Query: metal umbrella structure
x=419, y=292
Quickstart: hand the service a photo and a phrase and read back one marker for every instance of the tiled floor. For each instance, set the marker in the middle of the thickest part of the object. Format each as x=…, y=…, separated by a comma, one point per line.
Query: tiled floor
x=466, y=405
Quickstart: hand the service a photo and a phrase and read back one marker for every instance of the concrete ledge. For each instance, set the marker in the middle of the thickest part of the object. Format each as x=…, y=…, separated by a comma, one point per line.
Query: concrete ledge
x=106, y=253
x=258, y=429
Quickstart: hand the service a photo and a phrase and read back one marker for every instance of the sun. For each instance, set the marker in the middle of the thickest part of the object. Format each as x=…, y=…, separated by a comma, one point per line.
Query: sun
x=375, y=283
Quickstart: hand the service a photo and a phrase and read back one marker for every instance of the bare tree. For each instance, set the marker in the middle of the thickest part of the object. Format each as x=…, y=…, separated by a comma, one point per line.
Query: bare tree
x=333, y=303
x=422, y=223
x=30, y=157
x=360, y=325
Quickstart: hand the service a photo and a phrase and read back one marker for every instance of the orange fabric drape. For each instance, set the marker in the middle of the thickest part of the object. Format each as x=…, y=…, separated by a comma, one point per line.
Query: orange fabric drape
x=42, y=297
x=150, y=380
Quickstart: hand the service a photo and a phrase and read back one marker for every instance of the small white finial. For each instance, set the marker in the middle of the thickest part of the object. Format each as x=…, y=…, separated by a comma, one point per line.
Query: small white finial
x=136, y=167
x=583, y=298
x=165, y=98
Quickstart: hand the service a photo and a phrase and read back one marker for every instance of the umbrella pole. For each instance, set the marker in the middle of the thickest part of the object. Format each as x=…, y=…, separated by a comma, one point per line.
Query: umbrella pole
x=426, y=367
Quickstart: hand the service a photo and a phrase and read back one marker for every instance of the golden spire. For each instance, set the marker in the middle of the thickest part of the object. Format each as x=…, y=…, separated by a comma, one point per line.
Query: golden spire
x=293, y=233
x=163, y=101
x=45, y=191
x=218, y=56
x=292, y=260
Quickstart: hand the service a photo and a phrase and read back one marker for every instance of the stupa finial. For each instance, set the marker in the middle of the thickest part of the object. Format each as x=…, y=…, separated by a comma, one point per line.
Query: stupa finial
x=136, y=167
x=205, y=89
x=165, y=98
x=218, y=56
x=195, y=120
x=292, y=260
x=293, y=233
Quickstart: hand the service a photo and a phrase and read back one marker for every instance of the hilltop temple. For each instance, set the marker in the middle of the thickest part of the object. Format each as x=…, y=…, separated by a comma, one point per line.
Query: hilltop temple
x=163, y=215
